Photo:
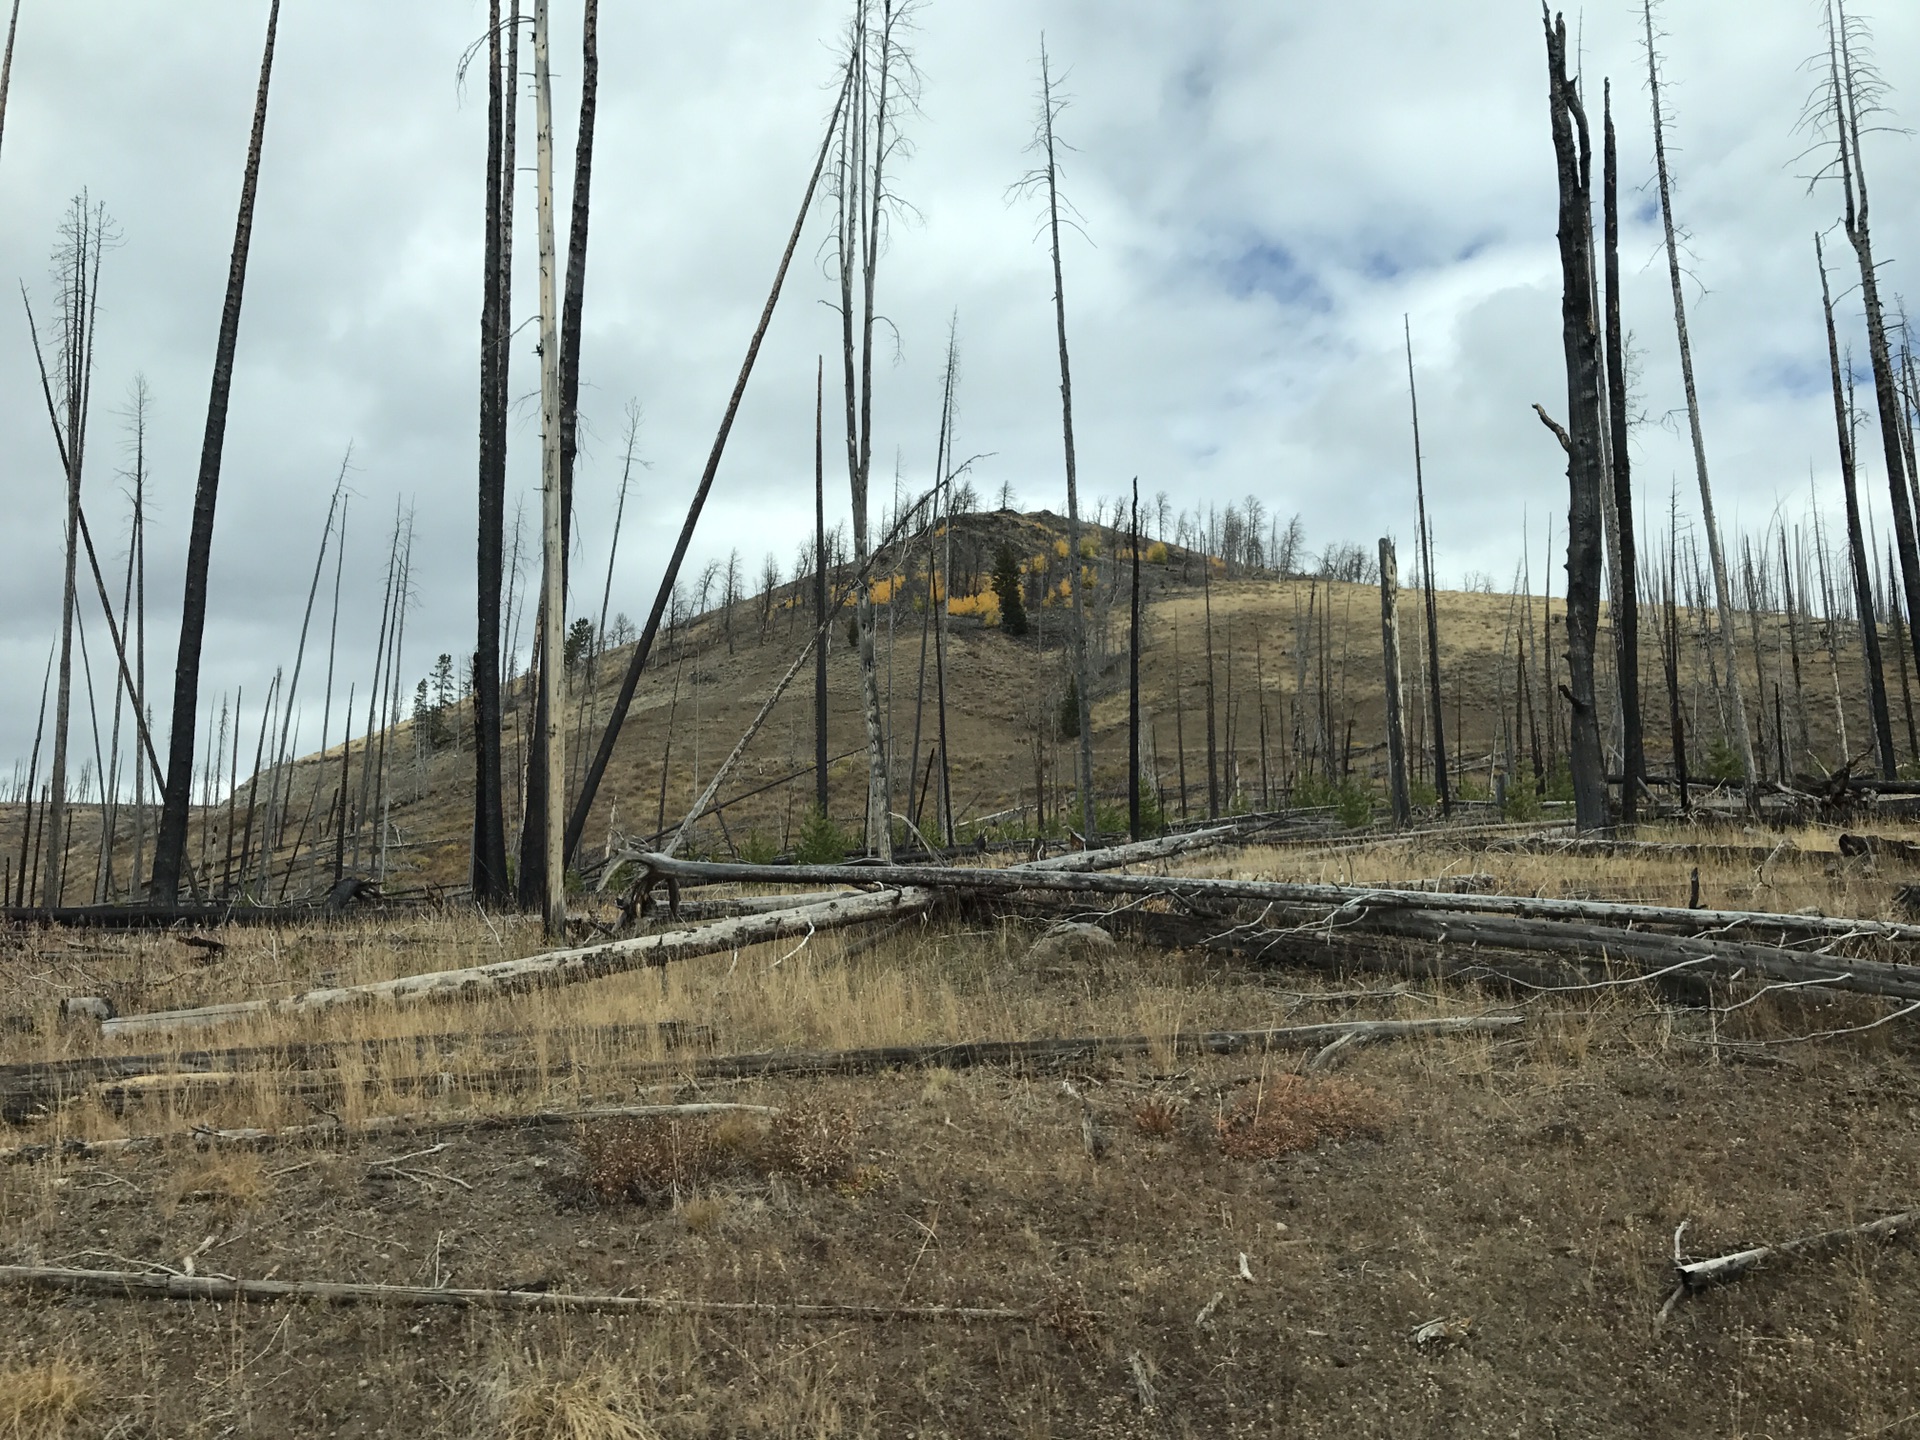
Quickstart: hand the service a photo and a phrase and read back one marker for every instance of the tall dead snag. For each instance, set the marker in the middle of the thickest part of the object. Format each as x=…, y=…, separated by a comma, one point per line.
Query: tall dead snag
x=882, y=87
x=819, y=585
x=1133, y=675
x=83, y=235
x=1046, y=145
x=1574, y=160
x=1857, y=544
x=1390, y=654
x=170, y=847
x=637, y=663
x=487, y=867
x=1723, y=600
x=1852, y=91
x=544, y=811
x=1626, y=594
x=1442, y=785
x=535, y=861
x=6, y=66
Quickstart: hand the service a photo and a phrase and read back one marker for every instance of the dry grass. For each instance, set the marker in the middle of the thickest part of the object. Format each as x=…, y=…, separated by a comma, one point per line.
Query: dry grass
x=232, y=1181
x=597, y=1403
x=41, y=1398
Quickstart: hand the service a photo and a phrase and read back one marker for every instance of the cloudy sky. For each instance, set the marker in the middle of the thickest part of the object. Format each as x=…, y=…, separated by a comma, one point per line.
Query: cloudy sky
x=1266, y=188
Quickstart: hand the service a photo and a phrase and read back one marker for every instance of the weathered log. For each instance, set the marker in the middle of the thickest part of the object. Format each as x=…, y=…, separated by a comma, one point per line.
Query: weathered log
x=37, y=1084
x=1695, y=1275
x=1716, y=957
x=384, y=1126
x=134, y=1285
x=553, y=967
x=1113, y=857
x=1349, y=899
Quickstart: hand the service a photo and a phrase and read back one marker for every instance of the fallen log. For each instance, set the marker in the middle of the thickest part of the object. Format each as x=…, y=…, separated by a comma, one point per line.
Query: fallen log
x=1696, y=1275
x=383, y=1127
x=135, y=1285
x=1723, y=958
x=38, y=1084
x=553, y=967
x=949, y=1055
x=1344, y=898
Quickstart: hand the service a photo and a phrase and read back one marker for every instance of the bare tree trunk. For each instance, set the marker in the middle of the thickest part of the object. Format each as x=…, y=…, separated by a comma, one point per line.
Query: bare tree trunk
x=1133, y=680
x=545, y=814
x=170, y=851
x=583, y=804
x=1626, y=595
x=1390, y=653
x=819, y=585
x=1442, y=783
x=1857, y=545
x=487, y=866
x=1582, y=345
x=6, y=66
x=1723, y=602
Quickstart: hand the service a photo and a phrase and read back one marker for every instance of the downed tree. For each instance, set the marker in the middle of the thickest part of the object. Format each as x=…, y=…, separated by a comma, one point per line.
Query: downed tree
x=135, y=1285
x=553, y=967
x=1347, y=899
x=1696, y=1275
x=949, y=1055
x=383, y=1126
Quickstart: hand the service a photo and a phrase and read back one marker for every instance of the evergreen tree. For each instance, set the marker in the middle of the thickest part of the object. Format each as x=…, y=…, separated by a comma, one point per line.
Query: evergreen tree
x=1006, y=586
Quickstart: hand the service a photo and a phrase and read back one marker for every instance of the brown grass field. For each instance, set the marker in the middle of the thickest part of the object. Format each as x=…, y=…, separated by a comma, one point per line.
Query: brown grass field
x=1523, y=1187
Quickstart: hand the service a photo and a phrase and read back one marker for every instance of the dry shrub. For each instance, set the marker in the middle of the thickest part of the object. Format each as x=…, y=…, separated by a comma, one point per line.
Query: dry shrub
x=39, y=1399
x=1157, y=1116
x=233, y=1180
x=1290, y=1113
x=1065, y=1312
x=655, y=1161
x=592, y=1405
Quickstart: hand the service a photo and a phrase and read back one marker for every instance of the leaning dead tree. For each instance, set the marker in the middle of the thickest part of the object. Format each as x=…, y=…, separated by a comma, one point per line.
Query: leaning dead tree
x=1723, y=595
x=1574, y=158
x=6, y=66
x=1856, y=544
x=1626, y=594
x=1851, y=93
x=1442, y=785
x=643, y=649
x=1046, y=144
x=170, y=848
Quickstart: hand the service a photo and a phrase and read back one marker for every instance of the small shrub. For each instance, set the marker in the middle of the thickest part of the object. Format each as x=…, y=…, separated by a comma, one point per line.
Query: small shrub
x=1353, y=805
x=233, y=1180
x=757, y=849
x=821, y=841
x=1522, y=801
x=597, y=1404
x=1157, y=1116
x=1723, y=762
x=813, y=1145
x=648, y=1162
x=1068, y=720
x=1291, y=1113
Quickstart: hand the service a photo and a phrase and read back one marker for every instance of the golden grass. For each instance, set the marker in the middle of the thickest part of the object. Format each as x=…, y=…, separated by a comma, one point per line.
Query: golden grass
x=40, y=1398
x=1290, y=1113
x=596, y=1403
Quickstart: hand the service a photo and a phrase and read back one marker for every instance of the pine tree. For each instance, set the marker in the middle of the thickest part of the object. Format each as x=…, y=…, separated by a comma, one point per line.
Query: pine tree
x=1006, y=587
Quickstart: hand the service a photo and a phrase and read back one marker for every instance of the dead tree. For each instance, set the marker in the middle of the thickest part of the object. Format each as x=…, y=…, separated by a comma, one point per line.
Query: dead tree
x=1851, y=93
x=643, y=648
x=1133, y=680
x=1390, y=654
x=1857, y=544
x=487, y=865
x=6, y=65
x=170, y=848
x=1574, y=160
x=1442, y=784
x=1736, y=693
x=819, y=586
x=1046, y=145
x=1626, y=595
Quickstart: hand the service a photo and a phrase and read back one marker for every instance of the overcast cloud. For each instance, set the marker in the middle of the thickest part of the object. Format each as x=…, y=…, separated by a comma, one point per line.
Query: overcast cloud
x=1266, y=186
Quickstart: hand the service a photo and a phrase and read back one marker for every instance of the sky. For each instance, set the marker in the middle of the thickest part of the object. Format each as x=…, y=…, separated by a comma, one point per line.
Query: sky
x=1264, y=190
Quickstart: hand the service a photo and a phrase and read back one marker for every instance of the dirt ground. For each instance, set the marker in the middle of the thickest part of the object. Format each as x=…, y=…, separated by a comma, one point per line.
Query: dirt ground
x=1524, y=1187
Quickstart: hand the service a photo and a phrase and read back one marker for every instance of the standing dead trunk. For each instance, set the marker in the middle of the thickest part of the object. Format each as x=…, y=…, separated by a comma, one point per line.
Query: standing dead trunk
x=1626, y=595
x=1573, y=157
x=6, y=66
x=487, y=865
x=1390, y=654
x=1133, y=681
x=819, y=587
x=1723, y=602
x=1443, y=786
x=1857, y=545
x=544, y=807
x=170, y=849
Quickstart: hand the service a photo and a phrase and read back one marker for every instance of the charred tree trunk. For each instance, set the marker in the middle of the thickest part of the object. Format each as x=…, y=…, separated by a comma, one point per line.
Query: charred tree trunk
x=819, y=587
x=1442, y=784
x=1133, y=682
x=1626, y=597
x=170, y=849
x=1573, y=156
x=1390, y=653
x=1857, y=544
